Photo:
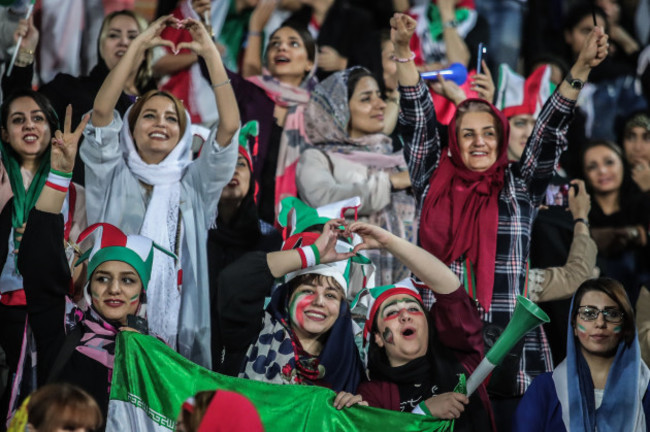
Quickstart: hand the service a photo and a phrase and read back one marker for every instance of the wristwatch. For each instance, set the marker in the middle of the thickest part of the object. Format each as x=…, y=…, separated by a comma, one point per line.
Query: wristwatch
x=574, y=82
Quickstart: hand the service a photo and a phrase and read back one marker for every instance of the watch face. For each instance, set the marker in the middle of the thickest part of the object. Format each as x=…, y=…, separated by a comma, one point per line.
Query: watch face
x=577, y=84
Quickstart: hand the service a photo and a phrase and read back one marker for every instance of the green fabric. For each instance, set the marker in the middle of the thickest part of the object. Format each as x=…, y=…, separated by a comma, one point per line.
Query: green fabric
x=233, y=34
x=151, y=381
x=435, y=23
x=24, y=201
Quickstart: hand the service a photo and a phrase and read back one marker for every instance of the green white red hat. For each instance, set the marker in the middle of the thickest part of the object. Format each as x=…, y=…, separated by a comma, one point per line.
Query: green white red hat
x=296, y=216
x=373, y=298
x=517, y=95
x=111, y=244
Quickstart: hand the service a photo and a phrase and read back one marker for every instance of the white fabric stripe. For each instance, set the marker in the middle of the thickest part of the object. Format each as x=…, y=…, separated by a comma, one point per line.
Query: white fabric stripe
x=309, y=256
x=123, y=416
x=58, y=180
x=140, y=245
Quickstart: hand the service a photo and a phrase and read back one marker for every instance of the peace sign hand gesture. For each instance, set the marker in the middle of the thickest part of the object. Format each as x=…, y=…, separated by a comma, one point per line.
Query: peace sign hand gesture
x=64, y=144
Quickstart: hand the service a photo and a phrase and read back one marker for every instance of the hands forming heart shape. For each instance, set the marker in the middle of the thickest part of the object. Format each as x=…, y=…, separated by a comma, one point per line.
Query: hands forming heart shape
x=201, y=40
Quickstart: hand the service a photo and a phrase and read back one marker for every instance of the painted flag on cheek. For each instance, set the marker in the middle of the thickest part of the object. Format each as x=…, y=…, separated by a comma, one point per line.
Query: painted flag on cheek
x=151, y=382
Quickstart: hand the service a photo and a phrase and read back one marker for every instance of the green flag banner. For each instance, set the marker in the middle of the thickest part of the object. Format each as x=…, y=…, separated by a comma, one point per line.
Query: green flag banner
x=151, y=381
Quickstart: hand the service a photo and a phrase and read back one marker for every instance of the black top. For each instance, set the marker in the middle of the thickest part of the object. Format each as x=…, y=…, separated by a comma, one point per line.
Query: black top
x=46, y=279
x=239, y=313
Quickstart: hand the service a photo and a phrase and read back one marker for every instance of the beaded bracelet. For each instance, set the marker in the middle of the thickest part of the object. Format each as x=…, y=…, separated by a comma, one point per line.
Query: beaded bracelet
x=59, y=180
x=402, y=60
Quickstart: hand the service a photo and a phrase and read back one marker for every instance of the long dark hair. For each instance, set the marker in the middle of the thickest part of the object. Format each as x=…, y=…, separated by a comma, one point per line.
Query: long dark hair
x=628, y=187
x=42, y=102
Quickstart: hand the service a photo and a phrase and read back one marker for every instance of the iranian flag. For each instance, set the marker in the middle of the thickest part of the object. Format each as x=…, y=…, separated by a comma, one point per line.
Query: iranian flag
x=151, y=381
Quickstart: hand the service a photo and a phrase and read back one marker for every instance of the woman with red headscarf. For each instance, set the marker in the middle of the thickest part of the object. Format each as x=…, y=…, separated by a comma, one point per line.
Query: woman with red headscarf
x=477, y=209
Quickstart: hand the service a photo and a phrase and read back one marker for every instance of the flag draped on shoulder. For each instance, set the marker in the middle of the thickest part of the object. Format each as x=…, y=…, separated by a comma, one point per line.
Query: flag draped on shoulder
x=151, y=381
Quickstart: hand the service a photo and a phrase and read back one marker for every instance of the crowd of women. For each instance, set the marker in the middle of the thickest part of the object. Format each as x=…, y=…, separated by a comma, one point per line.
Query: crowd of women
x=272, y=189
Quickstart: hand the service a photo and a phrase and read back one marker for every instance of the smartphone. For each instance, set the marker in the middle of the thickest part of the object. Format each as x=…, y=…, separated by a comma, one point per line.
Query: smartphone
x=558, y=195
x=482, y=54
x=137, y=323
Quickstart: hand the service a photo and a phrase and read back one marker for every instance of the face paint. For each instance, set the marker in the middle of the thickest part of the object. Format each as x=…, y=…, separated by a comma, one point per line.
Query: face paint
x=617, y=329
x=581, y=328
x=135, y=298
x=298, y=305
x=388, y=336
x=409, y=306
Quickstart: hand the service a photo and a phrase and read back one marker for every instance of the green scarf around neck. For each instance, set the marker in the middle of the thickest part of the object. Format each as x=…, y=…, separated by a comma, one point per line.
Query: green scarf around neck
x=24, y=200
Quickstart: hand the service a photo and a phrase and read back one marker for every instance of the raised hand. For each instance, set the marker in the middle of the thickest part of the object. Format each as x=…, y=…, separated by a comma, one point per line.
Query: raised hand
x=261, y=15
x=64, y=144
x=201, y=6
x=326, y=242
x=448, y=89
x=483, y=84
x=580, y=202
x=402, y=28
x=201, y=43
x=372, y=236
x=151, y=36
x=595, y=49
x=29, y=33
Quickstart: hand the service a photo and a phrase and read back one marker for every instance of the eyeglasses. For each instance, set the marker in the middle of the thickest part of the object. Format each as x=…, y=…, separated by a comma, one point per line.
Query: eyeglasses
x=590, y=313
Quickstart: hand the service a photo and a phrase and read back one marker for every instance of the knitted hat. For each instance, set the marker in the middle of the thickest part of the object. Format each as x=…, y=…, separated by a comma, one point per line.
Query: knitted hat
x=111, y=244
x=296, y=216
x=641, y=120
x=373, y=298
x=518, y=96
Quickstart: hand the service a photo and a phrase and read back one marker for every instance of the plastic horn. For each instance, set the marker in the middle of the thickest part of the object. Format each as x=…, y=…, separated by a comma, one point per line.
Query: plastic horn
x=456, y=72
x=526, y=317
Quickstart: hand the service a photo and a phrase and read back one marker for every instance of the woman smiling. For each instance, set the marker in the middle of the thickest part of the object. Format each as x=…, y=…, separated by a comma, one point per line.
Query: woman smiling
x=351, y=156
x=143, y=180
x=619, y=217
x=477, y=209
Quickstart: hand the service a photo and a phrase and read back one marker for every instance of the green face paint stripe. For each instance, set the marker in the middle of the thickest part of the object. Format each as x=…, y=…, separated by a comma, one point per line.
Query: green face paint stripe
x=581, y=328
x=617, y=329
x=94, y=294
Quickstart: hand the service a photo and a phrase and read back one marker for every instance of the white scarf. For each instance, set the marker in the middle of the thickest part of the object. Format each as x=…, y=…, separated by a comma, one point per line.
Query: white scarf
x=161, y=225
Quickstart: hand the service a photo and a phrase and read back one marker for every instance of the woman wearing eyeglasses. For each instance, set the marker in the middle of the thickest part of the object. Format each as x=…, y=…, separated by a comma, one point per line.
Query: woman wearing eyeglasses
x=602, y=384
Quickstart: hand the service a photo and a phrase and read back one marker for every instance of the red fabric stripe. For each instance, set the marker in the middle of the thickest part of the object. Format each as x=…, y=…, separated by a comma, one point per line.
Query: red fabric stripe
x=303, y=258
x=56, y=187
